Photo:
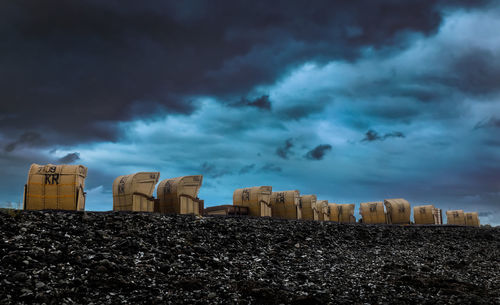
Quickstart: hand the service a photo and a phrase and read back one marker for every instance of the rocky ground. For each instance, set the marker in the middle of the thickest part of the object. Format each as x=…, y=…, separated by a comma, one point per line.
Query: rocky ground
x=76, y=257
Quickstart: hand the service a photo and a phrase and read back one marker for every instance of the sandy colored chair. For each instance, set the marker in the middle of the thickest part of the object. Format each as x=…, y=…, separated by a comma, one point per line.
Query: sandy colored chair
x=286, y=205
x=257, y=199
x=322, y=210
x=333, y=210
x=135, y=192
x=438, y=216
x=308, y=207
x=424, y=215
x=398, y=211
x=472, y=219
x=372, y=212
x=180, y=195
x=58, y=187
x=455, y=217
x=346, y=213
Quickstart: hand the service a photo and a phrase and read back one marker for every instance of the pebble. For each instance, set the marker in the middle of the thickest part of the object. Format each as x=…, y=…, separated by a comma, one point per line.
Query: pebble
x=20, y=276
x=135, y=258
x=40, y=285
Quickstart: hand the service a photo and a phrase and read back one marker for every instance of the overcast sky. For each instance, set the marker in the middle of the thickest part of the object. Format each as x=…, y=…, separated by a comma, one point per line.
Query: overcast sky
x=351, y=100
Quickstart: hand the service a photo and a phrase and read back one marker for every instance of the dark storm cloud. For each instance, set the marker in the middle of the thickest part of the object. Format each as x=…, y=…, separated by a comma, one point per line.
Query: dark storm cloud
x=318, y=153
x=485, y=214
x=213, y=171
x=491, y=122
x=477, y=71
x=269, y=167
x=394, y=111
x=29, y=139
x=69, y=158
x=302, y=110
x=77, y=67
x=372, y=135
x=246, y=169
x=262, y=102
x=284, y=151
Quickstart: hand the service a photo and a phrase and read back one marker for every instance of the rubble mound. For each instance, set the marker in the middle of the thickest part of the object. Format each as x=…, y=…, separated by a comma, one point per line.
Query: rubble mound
x=56, y=257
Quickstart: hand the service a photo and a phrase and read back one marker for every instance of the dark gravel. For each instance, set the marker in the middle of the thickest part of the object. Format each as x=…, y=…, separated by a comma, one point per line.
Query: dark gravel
x=108, y=258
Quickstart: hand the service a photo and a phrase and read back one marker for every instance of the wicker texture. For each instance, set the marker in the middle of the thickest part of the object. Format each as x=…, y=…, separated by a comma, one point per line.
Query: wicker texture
x=398, y=211
x=308, y=207
x=346, y=213
x=256, y=198
x=135, y=192
x=59, y=187
x=373, y=212
x=286, y=205
x=472, y=219
x=179, y=195
x=424, y=215
x=322, y=210
x=455, y=217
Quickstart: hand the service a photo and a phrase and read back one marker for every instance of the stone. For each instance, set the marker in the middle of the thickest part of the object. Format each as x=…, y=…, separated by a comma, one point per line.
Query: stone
x=106, y=257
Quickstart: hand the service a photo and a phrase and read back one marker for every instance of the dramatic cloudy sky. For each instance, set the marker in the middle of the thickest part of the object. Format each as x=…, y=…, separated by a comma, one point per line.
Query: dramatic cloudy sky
x=350, y=100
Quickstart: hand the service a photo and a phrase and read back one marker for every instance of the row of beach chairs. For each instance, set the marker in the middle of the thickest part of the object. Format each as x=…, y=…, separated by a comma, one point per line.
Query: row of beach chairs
x=61, y=187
